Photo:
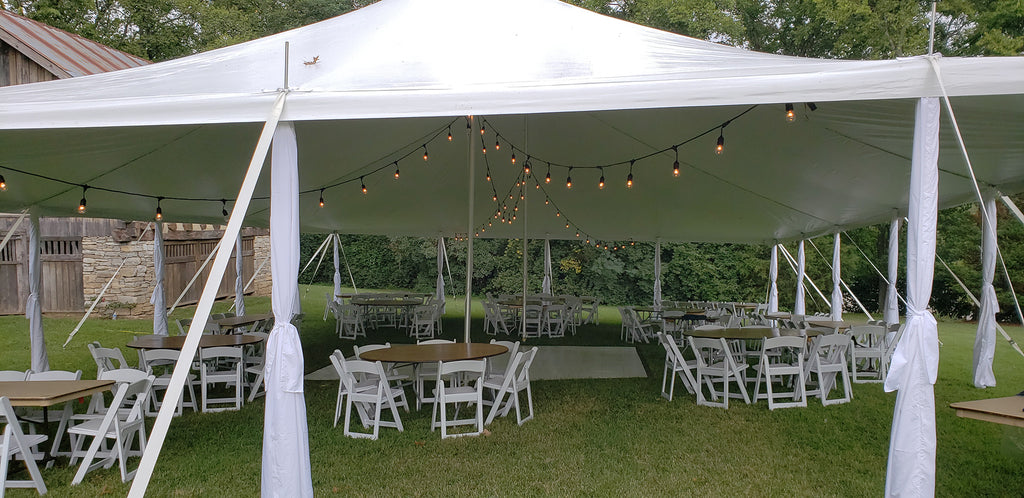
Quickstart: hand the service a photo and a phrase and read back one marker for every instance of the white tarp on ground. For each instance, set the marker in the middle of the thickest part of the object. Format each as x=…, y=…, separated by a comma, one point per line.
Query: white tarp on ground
x=598, y=91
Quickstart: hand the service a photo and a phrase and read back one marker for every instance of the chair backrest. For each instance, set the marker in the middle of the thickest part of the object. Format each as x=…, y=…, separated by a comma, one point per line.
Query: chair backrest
x=365, y=370
x=106, y=357
x=523, y=366
x=158, y=357
x=868, y=336
x=55, y=375
x=831, y=348
x=705, y=350
x=671, y=348
x=796, y=344
x=124, y=375
x=13, y=375
x=435, y=341
x=220, y=352
x=359, y=350
x=501, y=362
x=338, y=360
x=129, y=402
x=468, y=370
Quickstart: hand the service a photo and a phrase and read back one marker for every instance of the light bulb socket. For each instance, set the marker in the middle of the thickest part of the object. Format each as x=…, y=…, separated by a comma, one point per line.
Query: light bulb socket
x=3, y=184
x=720, y=146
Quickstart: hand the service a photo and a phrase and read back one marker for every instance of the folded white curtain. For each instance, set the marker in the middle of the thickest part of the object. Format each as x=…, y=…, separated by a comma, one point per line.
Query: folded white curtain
x=798, y=304
x=239, y=283
x=892, y=309
x=158, y=300
x=773, y=276
x=33, y=308
x=985, y=341
x=837, y=293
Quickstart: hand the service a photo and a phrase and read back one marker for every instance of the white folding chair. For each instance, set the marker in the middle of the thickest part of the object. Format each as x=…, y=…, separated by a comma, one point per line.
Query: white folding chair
x=349, y=320
x=13, y=375
x=221, y=365
x=494, y=319
x=15, y=444
x=533, y=317
x=426, y=372
x=106, y=358
x=676, y=364
x=395, y=378
x=555, y=317
x=868, y=348
x=496, y=364
x=590, y=309
x=338, y=361
x=515, y=380
x=464, y=385
x=715, y=363
x=123, y=422
x=38, y=418
x=369, y=395
x=160, y=363
x=423, y=322
x=826, y=360
x=781, y=357
x=255, y=361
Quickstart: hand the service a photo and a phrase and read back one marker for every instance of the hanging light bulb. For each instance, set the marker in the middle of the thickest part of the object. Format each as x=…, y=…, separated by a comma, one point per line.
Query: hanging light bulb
x=629, y=179
x=495, y=198
x=81, y=203
x=362, y=184
x=558, y=213
x=488, y=175
x=721, y=142
x=526, y=167
x=514, y=158
x=485, y=148
x=600, y=183
x=224, y=207
x=566, y=225
x=497, y=144
x=547, y=201
x=322, y=198
x=789, y=113
x=159, y=212
x=450, y=132
x=483, y=128
x=568, y=179
x=3, y=184
x=675, y=165
x=547, y=177
x=425, y=156
x=396, y=170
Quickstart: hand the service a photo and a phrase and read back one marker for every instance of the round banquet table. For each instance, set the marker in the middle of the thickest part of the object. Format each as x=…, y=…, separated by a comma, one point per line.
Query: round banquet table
x=428, y=353
x=206, y=341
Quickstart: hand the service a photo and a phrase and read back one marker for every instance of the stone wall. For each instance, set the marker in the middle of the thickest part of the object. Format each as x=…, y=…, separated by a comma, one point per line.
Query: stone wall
x=131, y=290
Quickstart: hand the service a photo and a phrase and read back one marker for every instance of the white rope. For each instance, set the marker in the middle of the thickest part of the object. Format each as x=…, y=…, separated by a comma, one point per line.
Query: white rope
x=315, y=253
x=257, y=272
x=323, y=253
x=1009, y=284
x=102, y=292
x=841, y=281
x=978, y=304
x=1012, y=207
x=13, y=229
x=880, y=274
x=792, y=265
x=194, y=278
x=347, y=267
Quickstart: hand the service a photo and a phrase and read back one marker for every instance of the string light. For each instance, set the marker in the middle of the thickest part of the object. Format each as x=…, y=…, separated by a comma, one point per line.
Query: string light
x=159, y=212
x=483, y=128
x=629, y=179
x=789, y=113
x=224, y=205
x=495, y=198
x=425, y=156
x=600, y=183
x=322, y=198
x=721, y=141
x=547, y=177
x=811, y=106
x=81, y=203
x=485, y=148
x=568, y=179
x=497, y=144
x=3, y=184
x=488, y=176
x=675, y=165
x=514, y=158
x=526, y=167
x=362, y=184
x=566, y=225
x=450, y=132
x=396, y=170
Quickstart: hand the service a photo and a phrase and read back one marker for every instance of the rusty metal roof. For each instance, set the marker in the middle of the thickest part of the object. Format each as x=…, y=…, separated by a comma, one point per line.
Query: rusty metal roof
x=62, y=53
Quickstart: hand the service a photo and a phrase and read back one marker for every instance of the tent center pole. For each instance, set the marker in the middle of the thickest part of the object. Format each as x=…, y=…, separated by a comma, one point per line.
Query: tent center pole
x=469, y=228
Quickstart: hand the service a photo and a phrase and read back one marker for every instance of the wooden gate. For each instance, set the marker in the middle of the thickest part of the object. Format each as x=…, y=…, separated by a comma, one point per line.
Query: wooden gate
x=11, y=270
x=61, y=264
x=182, y=258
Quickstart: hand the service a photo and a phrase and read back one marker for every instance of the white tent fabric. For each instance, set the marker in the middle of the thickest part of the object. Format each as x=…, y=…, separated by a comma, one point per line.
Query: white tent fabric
x=545, y=286
x=837, y=292
x=799, y=308
x=239, y=283
x=439, y=286
x=158, y=300
x=286, y=470
x=892, y=309
x=590, y=85
x=915, y=364
x=657, y=274
x=985, y=341
x=33, y=309
x=337, y=267
x=773, y=277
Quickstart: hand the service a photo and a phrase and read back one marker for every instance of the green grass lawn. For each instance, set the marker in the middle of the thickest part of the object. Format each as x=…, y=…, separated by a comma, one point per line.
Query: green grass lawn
x=590, y=437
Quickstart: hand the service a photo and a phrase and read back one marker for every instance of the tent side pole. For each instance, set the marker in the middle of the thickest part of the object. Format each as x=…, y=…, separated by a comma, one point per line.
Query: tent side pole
x=195, y=331
x=469, y=228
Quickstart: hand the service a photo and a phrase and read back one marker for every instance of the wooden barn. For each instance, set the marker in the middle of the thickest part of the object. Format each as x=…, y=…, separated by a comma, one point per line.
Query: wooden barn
x=79, y=255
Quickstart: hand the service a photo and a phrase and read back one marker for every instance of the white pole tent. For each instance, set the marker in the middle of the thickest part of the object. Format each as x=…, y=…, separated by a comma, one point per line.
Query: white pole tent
x=604, y=97
x=985, y=341
x=158, y=300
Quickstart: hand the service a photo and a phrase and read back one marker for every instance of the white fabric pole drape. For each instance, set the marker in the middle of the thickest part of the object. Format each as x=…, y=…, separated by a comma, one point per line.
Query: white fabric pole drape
x=915, y=364
x=837, y=292
x=158, y=300
x=773, y=277
x=337, y=268
x=985, y=341
x=239, y=283
x=546, y=285
x=286, y=469
x=892, y=309
x=657, y=274
x=33, y=308
x=798, y=304
x=439, y=287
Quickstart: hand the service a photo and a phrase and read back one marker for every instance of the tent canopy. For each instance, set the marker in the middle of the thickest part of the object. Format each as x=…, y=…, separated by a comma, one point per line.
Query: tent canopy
x=561, y=85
